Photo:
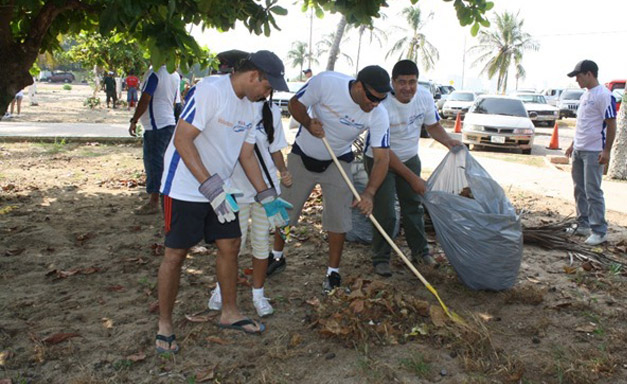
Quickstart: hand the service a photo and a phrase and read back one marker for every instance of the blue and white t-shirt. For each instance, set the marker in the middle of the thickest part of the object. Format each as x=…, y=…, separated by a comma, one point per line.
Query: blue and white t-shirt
x=328, y=99
x=163, y=87
x=240, y=180
x=225, y=122
x=595, y=106
x=406, y=120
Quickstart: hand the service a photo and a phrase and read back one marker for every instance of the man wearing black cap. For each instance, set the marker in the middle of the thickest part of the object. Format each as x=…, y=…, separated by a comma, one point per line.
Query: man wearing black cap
x=409, y=108
x=308, y=73
x=590, y=152
x=216, y=129
x=340, y=108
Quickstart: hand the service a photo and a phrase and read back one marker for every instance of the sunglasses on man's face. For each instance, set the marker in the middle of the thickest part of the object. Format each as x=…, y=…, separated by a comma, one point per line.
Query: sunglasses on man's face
x=372, y=97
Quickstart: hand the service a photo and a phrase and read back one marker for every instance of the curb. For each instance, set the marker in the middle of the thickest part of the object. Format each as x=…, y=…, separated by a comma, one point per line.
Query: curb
x=70, y=139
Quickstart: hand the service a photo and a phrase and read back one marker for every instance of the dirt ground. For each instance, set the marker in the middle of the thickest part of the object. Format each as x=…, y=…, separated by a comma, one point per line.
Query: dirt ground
x=78, y=303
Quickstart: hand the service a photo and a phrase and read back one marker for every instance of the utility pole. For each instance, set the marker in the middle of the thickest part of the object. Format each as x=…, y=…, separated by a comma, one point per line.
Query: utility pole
x=310, y=35
x=464, y=62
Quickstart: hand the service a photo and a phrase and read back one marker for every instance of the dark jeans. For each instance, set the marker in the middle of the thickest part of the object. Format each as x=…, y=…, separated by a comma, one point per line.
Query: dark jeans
x=412, y=213
x=155, y=144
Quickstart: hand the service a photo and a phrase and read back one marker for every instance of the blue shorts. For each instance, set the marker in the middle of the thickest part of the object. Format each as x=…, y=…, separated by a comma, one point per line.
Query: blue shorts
x=155, y=144
x=131, y=94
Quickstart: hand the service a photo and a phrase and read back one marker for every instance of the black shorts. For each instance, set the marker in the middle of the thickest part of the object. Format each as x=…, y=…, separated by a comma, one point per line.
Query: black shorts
x=186, y=223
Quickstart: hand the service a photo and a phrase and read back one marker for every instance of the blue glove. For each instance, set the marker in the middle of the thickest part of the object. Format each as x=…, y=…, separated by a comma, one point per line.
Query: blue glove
x=223, y=203
x=275, y=207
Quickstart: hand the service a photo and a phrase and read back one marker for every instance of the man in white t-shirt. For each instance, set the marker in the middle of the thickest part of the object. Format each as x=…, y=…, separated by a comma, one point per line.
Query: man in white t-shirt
x=590, y=152
x=340, y=108
x=159, y=95
x=409, y=108
x=215, y=130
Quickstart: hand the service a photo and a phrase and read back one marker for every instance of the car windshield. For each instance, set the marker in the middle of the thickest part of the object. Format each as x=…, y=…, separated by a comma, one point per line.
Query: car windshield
x=497, y=106
x=444, y=90
x=462, y=96
x=536, y=99
x=574, y=94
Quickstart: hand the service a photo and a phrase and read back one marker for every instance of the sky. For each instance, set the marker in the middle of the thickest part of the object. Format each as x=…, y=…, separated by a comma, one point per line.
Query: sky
x=567, y=31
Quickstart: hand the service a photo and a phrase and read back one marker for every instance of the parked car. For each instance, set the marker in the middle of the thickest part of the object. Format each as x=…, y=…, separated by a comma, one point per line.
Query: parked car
x=445, y=90
x=569, y=102
x=618, y=89
x=283, y=98
x=498, y=121
x=543, y=112
x=433, y=88
x=552, y=95
x=458, y=101
x=44, y=75
x=61, y=77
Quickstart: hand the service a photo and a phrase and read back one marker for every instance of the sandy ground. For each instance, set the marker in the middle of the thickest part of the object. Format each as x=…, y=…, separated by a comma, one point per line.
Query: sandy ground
x=78, y=304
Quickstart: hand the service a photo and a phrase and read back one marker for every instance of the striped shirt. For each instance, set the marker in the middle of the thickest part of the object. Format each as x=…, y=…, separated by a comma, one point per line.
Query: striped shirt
x=596, y=105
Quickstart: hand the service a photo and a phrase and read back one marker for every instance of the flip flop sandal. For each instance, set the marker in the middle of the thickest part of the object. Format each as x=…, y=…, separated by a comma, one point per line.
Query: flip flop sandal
x=239, y=326
x=169, y=340
x=146, y=209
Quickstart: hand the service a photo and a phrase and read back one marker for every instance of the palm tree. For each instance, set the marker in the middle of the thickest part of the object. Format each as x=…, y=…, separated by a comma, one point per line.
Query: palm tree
x=331, y=44
x=336, y=39
x=374, y=34
x=297, y=55
x=503, y=46
x=618, y=159
x=415, y=45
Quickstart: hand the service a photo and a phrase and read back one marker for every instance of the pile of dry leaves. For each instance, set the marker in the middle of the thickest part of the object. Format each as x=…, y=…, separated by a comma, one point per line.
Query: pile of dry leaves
x=374, y=312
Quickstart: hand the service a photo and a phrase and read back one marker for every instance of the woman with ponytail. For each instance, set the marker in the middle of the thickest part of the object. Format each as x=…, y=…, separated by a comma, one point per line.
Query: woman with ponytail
x=270, y=141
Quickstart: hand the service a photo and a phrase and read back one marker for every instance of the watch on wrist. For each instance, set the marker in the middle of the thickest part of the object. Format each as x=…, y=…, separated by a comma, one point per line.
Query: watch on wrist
x=133, y=121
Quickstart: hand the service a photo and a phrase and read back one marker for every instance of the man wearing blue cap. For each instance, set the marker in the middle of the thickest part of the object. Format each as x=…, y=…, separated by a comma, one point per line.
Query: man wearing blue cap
x=340, y=108
x=215, y=130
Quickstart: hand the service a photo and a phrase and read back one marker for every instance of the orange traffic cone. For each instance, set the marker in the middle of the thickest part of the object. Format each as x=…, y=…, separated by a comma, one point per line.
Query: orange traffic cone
x=458, y=123
x=555, y=141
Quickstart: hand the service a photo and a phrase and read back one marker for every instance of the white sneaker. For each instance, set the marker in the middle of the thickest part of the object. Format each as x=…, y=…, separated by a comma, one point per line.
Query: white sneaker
x=596, y=239
x=578, y=231
x=263, y=307
x=215, y=301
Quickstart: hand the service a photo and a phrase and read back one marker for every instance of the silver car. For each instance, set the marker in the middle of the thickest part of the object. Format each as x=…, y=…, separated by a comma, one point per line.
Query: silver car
x=539, y=110
x=569, y=102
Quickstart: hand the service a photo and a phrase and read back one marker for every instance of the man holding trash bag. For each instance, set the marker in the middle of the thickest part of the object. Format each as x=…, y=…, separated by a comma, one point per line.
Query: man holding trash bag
x=339, y=108
x=409, y=107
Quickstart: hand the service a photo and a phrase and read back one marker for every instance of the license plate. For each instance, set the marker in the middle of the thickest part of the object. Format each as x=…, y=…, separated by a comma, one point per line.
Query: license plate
x=497, y=139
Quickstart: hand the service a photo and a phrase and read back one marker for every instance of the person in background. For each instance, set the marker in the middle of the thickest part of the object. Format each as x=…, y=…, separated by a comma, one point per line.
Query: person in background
x=308, y=73
x=132, y=83
x=590, y=152
x=109, y=87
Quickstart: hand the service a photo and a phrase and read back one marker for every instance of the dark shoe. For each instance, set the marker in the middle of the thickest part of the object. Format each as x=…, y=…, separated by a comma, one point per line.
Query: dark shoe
x=332, y=281
x=426, y=259
x=383, y=269
x=275, y=265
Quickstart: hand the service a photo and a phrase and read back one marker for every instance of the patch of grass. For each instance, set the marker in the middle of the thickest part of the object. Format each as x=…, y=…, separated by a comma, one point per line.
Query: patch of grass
x=54, y=148
x=120, y=365
x=417, y=365
x=67, y=87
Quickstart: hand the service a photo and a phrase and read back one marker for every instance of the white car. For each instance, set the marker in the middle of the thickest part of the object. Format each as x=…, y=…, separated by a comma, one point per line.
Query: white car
x=552, y=95
x=283, y=98
x=569, y=102
x=498, y=121
x=458, y=101
x=538, y=109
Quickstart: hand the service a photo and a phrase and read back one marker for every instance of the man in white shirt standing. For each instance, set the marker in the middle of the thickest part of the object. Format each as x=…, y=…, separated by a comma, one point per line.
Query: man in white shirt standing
x=590, y=152
x=409, y=108
x=215, y=130
x=159, y=95
x=340, y=108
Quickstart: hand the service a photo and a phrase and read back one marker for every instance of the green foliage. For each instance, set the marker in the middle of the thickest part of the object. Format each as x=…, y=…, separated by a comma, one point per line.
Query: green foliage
x=67, y=87
x=414, y=45
x=91, y=102
x=117, y=52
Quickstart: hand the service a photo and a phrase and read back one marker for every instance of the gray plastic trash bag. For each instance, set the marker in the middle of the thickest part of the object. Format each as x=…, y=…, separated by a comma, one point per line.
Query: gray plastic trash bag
x=482, y=237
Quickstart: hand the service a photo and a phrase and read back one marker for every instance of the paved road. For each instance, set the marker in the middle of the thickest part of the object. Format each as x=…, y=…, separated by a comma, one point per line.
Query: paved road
x=546, y=181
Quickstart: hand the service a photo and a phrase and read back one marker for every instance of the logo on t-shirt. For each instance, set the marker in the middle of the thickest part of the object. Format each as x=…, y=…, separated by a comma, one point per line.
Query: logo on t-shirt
x=413, y=118
x=242, y=126
x=351, y=123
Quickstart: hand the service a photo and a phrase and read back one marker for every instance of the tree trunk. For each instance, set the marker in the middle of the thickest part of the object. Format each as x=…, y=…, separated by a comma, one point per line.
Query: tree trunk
x=361, y=33
x=618, y=159
x=16, y=68
x=335, y=48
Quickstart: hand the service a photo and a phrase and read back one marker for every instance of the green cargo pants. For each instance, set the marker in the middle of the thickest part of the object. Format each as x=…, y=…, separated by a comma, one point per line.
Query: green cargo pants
x=412, y=213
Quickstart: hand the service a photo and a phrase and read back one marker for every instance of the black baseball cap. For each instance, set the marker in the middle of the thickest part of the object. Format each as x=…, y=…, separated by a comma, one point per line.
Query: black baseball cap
x=272, y=66
x=585, y=66
x=307, y=70
x=375, y=77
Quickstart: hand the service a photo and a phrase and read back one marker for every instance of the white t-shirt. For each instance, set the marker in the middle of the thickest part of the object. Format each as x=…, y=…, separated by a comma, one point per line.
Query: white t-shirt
x=596, y=105
x=239, y=178
x=225, y=122
x=163, y=87
x=328, y=98
x=406, y=120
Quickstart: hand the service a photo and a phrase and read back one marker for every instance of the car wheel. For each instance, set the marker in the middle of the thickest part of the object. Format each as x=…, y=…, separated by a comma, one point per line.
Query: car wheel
x=66, y=81
x=526, y=151
x=50, y=80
